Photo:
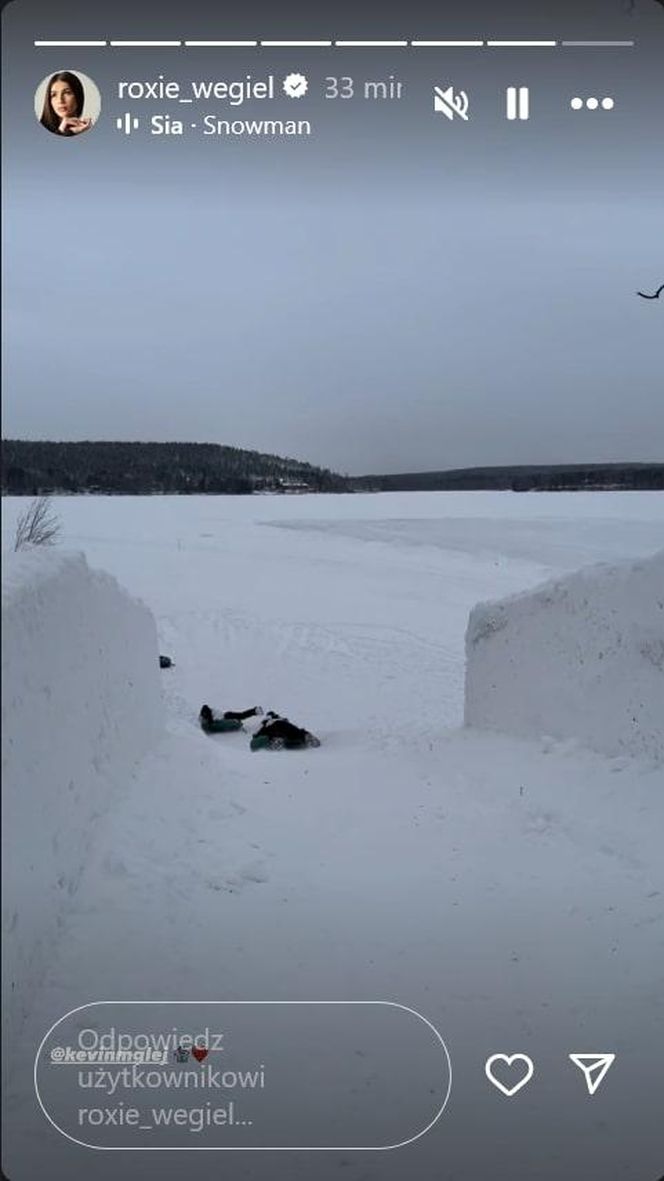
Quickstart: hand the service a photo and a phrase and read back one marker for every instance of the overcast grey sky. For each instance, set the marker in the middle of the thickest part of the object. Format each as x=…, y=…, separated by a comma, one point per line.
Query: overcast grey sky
x=398, y=292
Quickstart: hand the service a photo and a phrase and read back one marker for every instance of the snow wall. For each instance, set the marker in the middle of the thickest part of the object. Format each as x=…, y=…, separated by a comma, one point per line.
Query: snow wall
x=580, y=657
x=81, y=702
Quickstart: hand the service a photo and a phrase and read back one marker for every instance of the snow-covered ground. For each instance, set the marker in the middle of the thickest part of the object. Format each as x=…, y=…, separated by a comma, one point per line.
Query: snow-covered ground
x=510, y=890
x=580, y=657
x=81, y=704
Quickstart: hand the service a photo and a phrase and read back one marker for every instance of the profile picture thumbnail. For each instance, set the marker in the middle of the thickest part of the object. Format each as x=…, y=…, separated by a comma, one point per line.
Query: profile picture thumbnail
x=67, y=103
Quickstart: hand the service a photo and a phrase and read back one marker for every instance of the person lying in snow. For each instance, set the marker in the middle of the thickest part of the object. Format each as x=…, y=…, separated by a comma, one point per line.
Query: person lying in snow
x=277, y=733
x=215, y=723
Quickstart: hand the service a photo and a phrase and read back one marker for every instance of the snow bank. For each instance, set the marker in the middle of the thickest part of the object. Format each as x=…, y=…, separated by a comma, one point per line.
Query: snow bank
x=81, y=702
x=581, y=657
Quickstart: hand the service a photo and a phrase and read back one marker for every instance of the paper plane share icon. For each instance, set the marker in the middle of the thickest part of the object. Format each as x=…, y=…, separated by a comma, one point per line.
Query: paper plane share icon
x=594, y=1067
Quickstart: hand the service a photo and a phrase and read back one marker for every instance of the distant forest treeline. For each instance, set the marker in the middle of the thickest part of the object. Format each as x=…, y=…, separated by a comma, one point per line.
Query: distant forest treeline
x=548, y=477
x=35, y=468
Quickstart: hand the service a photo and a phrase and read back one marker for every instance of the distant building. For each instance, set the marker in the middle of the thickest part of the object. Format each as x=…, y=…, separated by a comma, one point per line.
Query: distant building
x=294, y=487
x=278, y=486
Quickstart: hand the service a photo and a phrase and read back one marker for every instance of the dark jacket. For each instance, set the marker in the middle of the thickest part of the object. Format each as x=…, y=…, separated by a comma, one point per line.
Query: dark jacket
x=276, y=727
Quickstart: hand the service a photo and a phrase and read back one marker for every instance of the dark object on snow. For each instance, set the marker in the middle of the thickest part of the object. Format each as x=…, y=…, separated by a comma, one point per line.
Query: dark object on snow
x=659, y=289
x=277, y=733
x=216, y=725
x=213, y=723
x=165, y=662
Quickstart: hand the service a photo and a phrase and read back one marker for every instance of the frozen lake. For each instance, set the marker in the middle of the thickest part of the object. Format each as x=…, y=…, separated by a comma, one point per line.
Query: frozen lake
x=370, y=585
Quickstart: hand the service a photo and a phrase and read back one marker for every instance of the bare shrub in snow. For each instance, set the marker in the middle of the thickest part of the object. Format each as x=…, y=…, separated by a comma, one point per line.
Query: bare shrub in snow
x=38, y=525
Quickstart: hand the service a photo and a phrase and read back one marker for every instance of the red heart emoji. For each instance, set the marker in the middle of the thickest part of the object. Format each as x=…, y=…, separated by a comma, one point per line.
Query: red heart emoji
x=200, y=1052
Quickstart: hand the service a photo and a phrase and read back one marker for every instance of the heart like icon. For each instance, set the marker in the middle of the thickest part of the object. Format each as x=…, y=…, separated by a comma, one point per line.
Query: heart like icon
x=525, y=1072
x=200, y=1052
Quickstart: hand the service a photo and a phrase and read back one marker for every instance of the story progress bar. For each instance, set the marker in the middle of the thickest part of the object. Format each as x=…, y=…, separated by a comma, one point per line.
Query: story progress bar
x=339, y=44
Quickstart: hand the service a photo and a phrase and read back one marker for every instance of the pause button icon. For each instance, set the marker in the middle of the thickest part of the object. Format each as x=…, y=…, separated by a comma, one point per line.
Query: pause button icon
x=518, y=102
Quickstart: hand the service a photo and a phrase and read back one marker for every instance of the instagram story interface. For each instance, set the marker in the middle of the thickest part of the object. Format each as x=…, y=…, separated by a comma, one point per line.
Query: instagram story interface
x=333, y=591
